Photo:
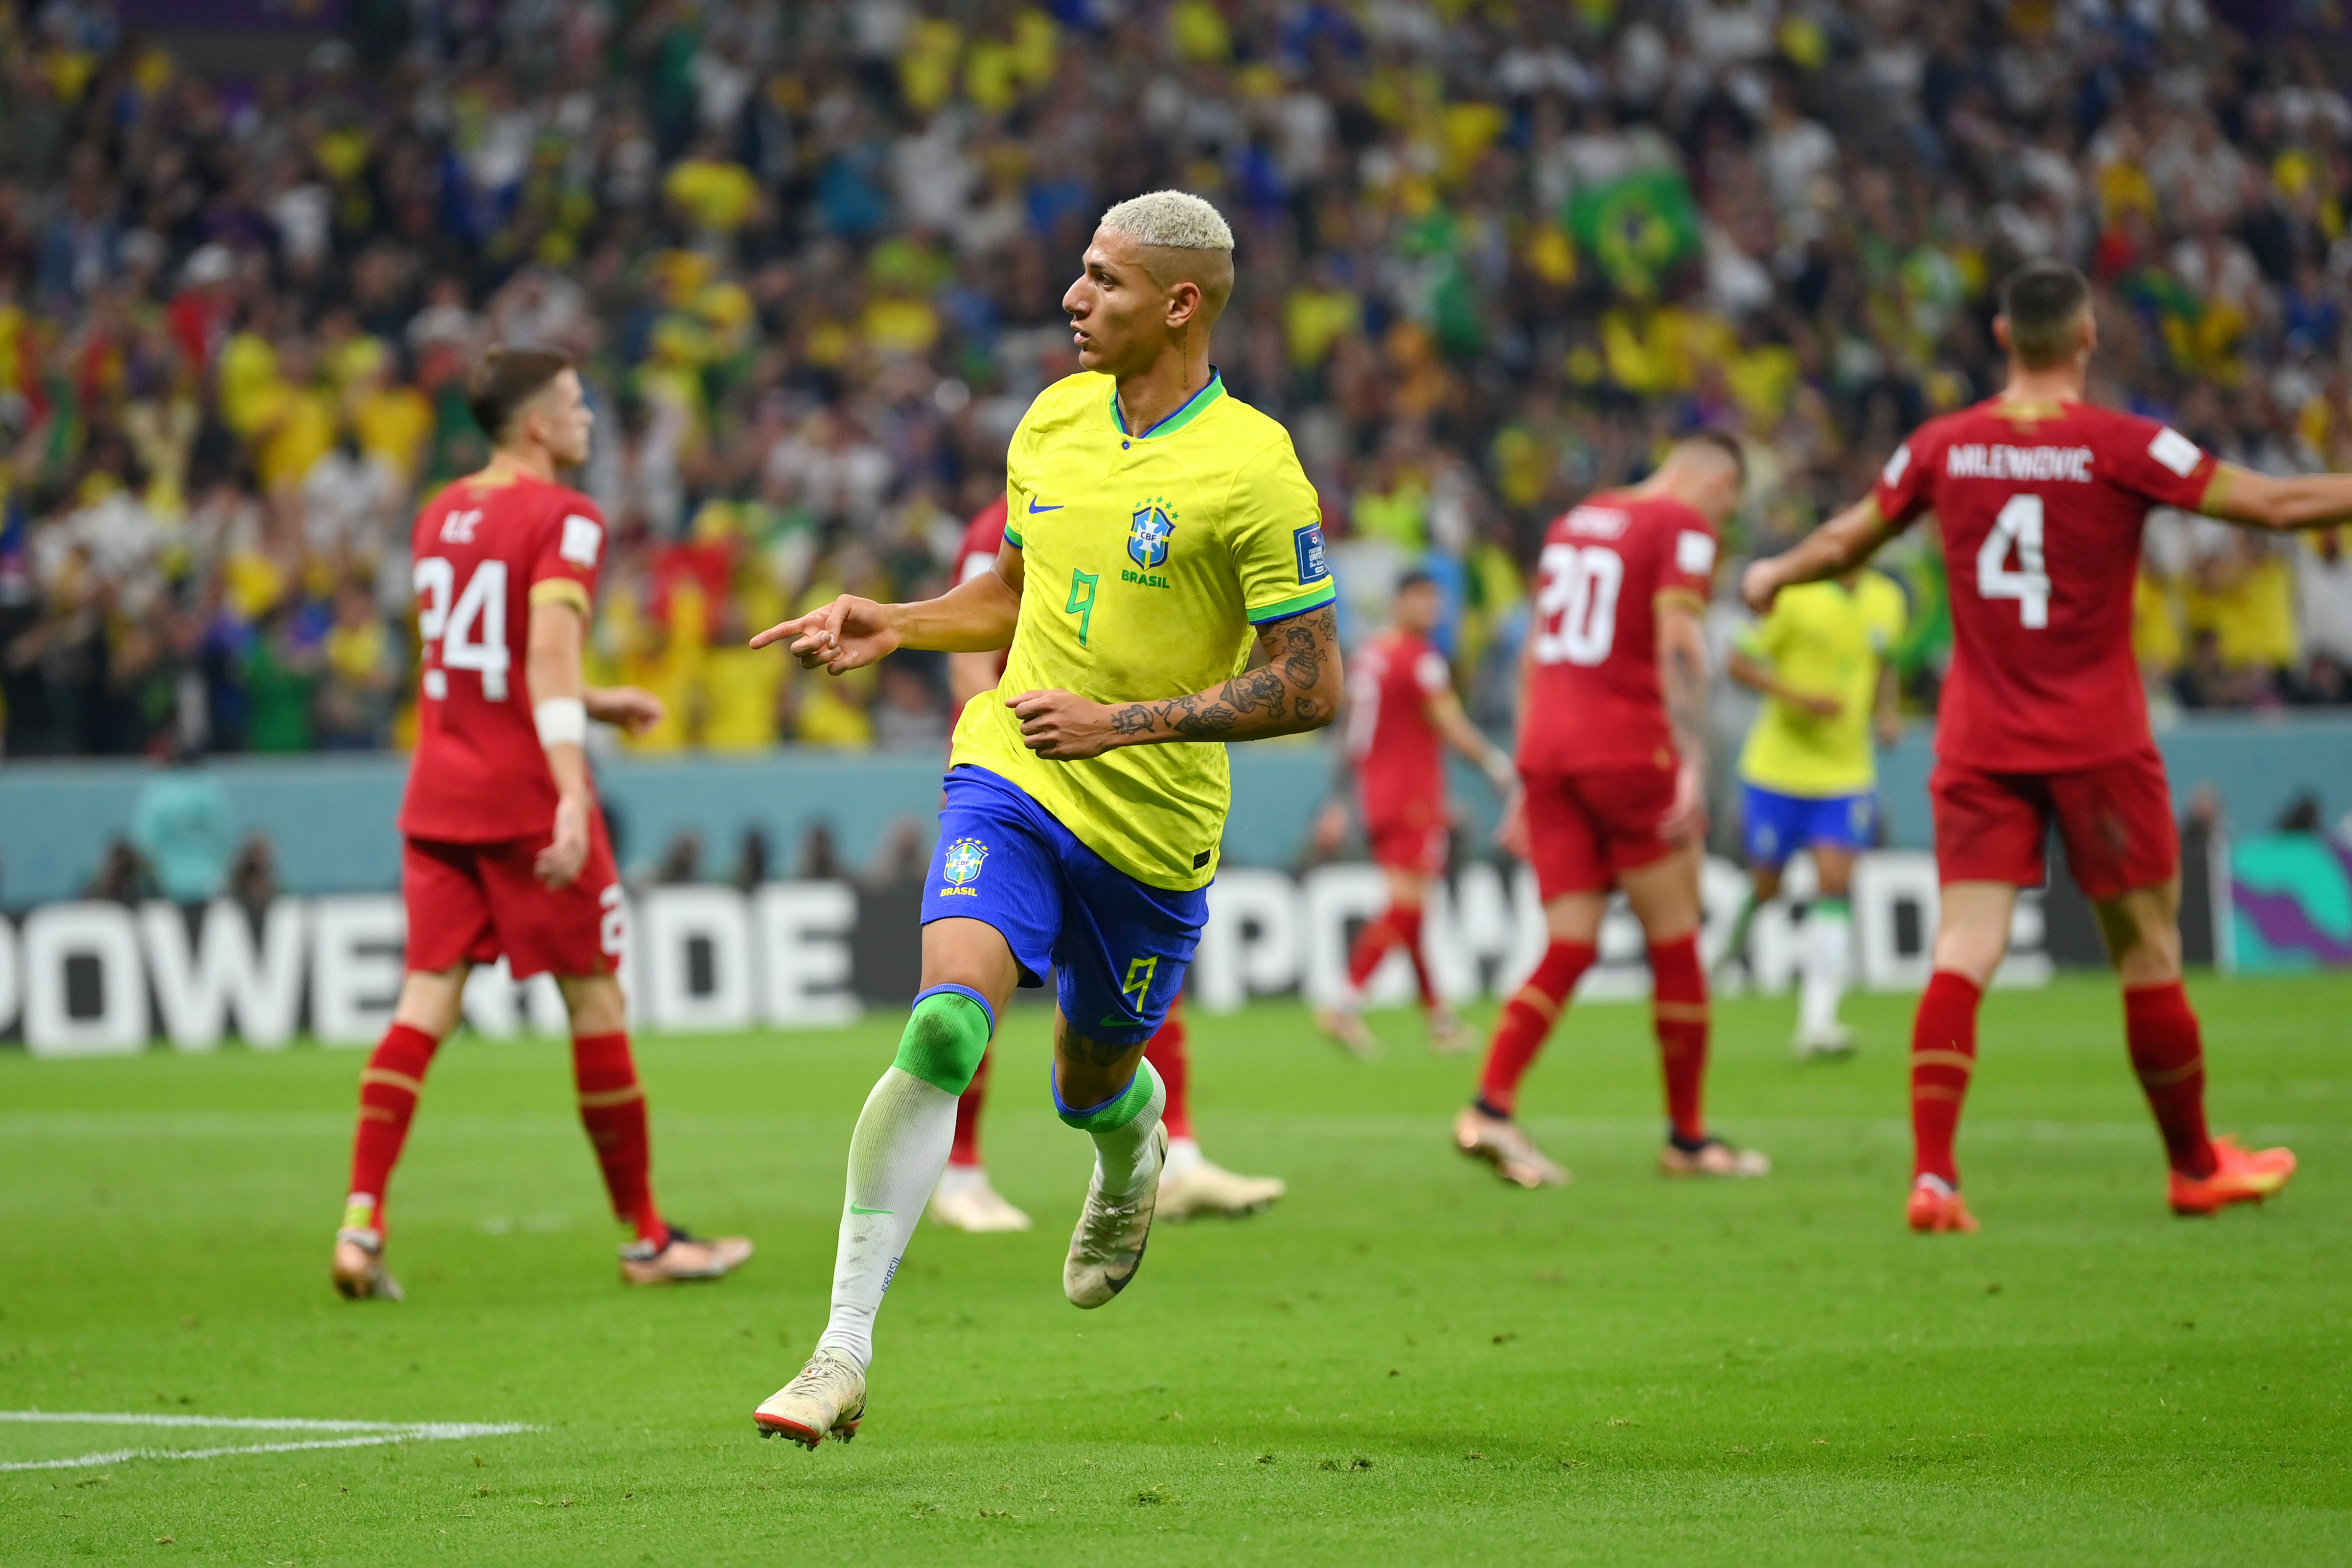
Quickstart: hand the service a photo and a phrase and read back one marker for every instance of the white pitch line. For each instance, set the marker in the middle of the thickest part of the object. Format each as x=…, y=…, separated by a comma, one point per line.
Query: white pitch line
x=371, y=1434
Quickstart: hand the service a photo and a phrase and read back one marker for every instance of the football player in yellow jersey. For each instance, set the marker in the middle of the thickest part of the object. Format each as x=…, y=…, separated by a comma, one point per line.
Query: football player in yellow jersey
x=1810, y=778
x=1160, y=531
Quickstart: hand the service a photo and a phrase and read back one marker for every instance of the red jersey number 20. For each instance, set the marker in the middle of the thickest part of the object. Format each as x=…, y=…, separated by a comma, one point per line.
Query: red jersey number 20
x=1576, y=603
x=472, y=631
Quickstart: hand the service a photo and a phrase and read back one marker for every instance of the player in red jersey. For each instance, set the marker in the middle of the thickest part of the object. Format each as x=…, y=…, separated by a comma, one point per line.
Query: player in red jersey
x=1401, y=714
x=1190, y=1184
x=2040, y=498
x=1612, y=756
x=505, y=849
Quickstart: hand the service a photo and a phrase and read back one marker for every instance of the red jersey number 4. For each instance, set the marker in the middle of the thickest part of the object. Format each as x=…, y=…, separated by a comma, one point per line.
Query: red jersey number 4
x=2041, y=508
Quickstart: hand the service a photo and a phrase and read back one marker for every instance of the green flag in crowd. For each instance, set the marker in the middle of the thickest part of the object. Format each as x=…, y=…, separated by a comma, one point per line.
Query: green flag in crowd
x=1637, y=227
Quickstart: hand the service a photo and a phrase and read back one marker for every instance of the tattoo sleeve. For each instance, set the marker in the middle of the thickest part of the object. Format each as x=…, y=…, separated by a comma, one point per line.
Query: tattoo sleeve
x=1295, y=689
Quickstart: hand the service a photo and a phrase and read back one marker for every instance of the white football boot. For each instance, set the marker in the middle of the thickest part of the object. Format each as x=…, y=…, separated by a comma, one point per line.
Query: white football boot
x=359, y=1272
x=1347, y=1026
x=827, y=1399
x=1191, y=1184
x=1713, y=1158
x=1106, y=1247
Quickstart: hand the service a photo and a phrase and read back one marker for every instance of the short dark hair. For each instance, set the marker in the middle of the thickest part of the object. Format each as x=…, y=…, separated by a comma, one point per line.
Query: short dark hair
x=1723, y=441
x=1417, y=577
x=506, y=379
x=2041, y=301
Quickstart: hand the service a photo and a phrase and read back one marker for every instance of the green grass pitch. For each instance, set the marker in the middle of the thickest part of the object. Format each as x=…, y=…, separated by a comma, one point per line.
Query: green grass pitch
x=1405, y=1362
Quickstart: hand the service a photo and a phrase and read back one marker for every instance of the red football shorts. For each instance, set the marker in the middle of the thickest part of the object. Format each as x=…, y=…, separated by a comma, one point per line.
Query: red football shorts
x=2115, y=820
x=1587, y=829
x=1414, y=841
x=468, y=903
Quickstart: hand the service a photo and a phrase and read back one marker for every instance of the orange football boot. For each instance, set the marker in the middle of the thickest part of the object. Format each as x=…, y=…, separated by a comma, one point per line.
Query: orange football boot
x=1935, y=1206
x=2240, y=1175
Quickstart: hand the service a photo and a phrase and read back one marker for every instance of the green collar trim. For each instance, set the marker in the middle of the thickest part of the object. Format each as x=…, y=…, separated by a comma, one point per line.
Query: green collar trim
x=1188, y=411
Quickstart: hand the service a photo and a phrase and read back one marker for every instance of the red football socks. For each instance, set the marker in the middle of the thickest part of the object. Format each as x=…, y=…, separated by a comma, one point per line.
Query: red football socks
x=1372, y=943
x=1527, y=1019
x=1165, y=1051
x=1943, y=1054
x=1678, y=1012
x=2169, y=1057
x=965, y=1150
x=389, y=1086
x=612, y=1110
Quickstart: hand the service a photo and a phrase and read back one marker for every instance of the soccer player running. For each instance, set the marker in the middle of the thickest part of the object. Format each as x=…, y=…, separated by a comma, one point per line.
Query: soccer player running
x=1189, y=1183
x=1808, y=778
x=1612, y=753
x=1167, y=529
x=1401, y=714
x=2042, y=499
x=505, y=851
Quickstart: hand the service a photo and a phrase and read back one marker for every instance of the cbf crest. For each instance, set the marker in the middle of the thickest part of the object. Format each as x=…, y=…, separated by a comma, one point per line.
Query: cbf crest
x=963, y=862
x=1148, y=532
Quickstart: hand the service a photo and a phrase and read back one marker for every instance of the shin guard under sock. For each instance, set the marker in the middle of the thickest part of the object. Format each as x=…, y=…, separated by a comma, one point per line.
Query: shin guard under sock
x=1943, y=1057
x=2169, y=1055
x=389, y=1084
x=1166, y=1053
x=612, y=1110
x=1678, y=1013
x=1527, y=1019
x=965, y=1150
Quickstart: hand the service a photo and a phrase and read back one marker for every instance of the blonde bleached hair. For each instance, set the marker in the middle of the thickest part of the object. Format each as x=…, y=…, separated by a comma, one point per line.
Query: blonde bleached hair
x=1175, y=220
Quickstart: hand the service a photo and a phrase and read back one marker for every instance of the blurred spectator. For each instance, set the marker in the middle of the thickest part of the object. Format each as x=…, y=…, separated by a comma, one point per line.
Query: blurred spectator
x=810, y=259
x=253, y=879
x=182, y=827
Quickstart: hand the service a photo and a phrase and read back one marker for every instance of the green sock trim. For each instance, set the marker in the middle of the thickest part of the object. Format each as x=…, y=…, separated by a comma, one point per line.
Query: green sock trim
x=1825, y=906
x=944, y=1040
x=1117, y=1110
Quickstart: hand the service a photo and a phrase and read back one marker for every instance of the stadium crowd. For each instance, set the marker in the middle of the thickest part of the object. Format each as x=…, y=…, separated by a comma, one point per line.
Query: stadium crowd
x=810, y=259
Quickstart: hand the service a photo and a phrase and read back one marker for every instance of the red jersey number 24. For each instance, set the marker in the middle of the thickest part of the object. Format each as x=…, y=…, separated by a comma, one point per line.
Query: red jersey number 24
x=1576, y=603
x=472, y=631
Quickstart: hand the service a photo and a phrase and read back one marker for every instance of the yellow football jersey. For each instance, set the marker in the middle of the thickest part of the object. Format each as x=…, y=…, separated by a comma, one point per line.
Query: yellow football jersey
x=1822, y=637
x=1147, y=558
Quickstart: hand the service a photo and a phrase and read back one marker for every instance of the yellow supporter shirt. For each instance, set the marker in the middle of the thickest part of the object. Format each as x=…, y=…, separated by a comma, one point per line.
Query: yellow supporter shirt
x=1827, y=638
x=1148, y=560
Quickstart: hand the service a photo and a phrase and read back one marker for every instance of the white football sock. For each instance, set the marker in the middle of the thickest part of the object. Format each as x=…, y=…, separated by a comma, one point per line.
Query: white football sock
x=1123, y=1157
x=1829, y=940
x=895, y=1158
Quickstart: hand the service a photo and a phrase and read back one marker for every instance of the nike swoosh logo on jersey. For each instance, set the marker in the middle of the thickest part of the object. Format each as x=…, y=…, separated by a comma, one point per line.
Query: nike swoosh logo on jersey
x=1034, y=509
x=855, y=1209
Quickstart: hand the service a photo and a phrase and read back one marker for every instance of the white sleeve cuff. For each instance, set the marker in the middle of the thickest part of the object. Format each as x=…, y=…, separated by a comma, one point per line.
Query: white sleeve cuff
x=562, y=722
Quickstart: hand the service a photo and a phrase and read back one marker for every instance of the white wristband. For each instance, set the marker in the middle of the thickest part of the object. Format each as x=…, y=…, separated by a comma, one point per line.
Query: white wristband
x=562, y=722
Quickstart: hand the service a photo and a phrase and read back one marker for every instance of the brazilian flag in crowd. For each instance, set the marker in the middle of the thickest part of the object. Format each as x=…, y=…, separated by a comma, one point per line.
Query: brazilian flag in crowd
x=1636, y=227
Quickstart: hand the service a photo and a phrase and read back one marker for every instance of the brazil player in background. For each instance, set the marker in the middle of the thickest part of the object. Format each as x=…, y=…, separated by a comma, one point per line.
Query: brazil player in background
x=2041, y=499
x=1158, y=530
x=1808, y=778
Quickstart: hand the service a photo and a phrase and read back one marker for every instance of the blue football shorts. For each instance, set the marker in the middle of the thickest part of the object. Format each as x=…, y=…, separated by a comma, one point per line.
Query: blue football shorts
x=1119, y=948
x=1780, y=825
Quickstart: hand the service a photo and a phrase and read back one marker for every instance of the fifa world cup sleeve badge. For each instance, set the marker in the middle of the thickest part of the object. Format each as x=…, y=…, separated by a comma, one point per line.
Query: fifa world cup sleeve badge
x=961, y=865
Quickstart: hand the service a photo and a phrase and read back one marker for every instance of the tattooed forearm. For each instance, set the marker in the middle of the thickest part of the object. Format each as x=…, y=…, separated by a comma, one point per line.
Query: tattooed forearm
x=1295, y=688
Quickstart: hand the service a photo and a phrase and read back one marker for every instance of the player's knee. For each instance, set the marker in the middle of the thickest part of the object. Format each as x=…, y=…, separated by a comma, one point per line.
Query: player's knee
x=944, y=1040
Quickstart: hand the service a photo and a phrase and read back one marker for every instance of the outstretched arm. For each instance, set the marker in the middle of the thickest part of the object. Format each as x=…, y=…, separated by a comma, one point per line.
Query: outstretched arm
x=1833, y=550
x=1296, y=688
x=974, y=617
x=1756, y=675
x=2257, y=501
